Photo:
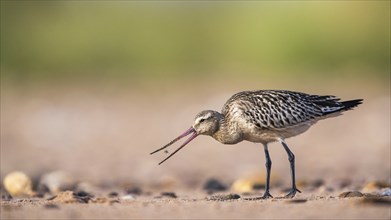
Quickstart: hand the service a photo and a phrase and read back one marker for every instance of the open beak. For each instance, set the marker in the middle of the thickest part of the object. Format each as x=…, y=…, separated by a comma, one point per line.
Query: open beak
x=189, y=131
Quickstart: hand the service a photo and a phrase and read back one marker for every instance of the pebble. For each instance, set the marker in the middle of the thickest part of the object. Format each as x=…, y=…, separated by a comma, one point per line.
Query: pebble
x=71, y=197
x=57, y=181
x=243, y=186
x=169, y=194
x=374, y=186
x=134, y=191
x=350, y=194
x=113, y=194
x=83, y=194
x=214, y=185
x=6, y=197
x=18, y=184
x=252, y=181
x=385, y=192
x=128, y=197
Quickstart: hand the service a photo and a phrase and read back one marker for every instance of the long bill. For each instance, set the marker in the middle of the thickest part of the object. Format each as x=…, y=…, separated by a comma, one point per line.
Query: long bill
x=186, y=133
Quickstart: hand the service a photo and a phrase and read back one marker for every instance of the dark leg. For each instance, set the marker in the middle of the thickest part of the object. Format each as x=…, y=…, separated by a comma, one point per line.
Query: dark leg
x=268, y=168
x=291, y=158
x=268, y=164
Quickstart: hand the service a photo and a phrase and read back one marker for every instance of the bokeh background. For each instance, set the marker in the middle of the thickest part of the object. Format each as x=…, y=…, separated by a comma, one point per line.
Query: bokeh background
x=91, y=88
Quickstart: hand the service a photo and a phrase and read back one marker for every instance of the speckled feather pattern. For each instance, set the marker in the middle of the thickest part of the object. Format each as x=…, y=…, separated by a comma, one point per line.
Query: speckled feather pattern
x=279, y=108
x=267, y=115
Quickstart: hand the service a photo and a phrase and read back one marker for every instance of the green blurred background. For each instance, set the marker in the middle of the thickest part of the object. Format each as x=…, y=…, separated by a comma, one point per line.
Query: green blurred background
x=61, y=39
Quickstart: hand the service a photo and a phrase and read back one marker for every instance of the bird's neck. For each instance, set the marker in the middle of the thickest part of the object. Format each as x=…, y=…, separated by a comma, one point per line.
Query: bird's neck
x=228, y=132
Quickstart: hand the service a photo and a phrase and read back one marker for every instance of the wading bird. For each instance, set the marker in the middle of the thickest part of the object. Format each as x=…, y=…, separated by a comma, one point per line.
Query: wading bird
x=265, y=116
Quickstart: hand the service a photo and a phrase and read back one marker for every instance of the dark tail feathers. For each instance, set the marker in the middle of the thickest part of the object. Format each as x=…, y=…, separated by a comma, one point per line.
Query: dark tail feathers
x=351, y=104
x=334, y=106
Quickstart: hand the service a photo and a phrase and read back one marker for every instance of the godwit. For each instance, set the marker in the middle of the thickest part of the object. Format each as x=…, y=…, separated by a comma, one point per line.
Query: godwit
x=265, y=116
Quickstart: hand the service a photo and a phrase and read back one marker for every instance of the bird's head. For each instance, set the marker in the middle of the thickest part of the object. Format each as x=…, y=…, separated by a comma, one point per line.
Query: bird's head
x=205, y=123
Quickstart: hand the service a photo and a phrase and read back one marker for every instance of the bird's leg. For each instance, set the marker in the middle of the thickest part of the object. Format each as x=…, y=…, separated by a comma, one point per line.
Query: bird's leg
x=291, y=158
x=268, y=164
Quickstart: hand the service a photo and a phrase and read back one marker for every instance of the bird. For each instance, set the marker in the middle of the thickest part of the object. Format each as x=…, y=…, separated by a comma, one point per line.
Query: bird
x=265, y=116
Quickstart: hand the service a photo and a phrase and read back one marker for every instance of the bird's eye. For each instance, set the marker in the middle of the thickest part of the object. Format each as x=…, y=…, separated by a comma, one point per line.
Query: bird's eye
x=202, y=119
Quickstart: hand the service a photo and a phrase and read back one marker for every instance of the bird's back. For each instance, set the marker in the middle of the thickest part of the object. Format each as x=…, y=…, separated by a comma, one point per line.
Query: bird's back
x=279, y=112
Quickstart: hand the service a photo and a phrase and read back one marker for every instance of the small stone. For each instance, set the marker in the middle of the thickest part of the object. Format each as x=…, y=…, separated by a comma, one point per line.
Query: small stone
x=134, y=191
x=252, y=181
x=6, y=197
x=374, y=186
x=370, y=187
x=83, y=194
x=350, y=194
x=18, y=184
x=57, y=181
x=127, y=197
x=70, y=197
x=243, y=186
x=169, y=194
x=385, y=192
x=214, y=185
x=224, y=197
x=113, y=194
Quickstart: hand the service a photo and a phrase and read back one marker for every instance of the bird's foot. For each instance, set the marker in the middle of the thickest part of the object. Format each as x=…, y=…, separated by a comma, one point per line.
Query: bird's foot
x=266, y=195
x=291, y=193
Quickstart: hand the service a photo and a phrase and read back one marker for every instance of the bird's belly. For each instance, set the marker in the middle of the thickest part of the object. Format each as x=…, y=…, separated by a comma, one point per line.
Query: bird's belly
x=264, y=136
x=272, y=135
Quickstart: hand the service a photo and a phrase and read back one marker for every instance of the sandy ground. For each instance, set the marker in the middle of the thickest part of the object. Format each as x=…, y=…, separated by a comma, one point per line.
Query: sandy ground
x=352, y=208
x=101, y=137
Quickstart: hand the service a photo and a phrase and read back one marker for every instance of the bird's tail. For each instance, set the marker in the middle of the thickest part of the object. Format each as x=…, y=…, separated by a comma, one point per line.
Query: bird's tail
x=333, y=107
x=351, y=104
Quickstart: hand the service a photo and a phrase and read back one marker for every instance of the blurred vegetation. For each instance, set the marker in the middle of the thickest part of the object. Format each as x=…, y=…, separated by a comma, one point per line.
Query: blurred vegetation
x=43, y=39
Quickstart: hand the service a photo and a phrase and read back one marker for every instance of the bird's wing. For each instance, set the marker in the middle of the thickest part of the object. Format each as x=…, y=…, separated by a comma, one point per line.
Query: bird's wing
x=281, y=109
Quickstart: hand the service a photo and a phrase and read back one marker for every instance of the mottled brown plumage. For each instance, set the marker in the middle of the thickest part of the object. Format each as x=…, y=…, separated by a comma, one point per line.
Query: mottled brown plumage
x=265, y=116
